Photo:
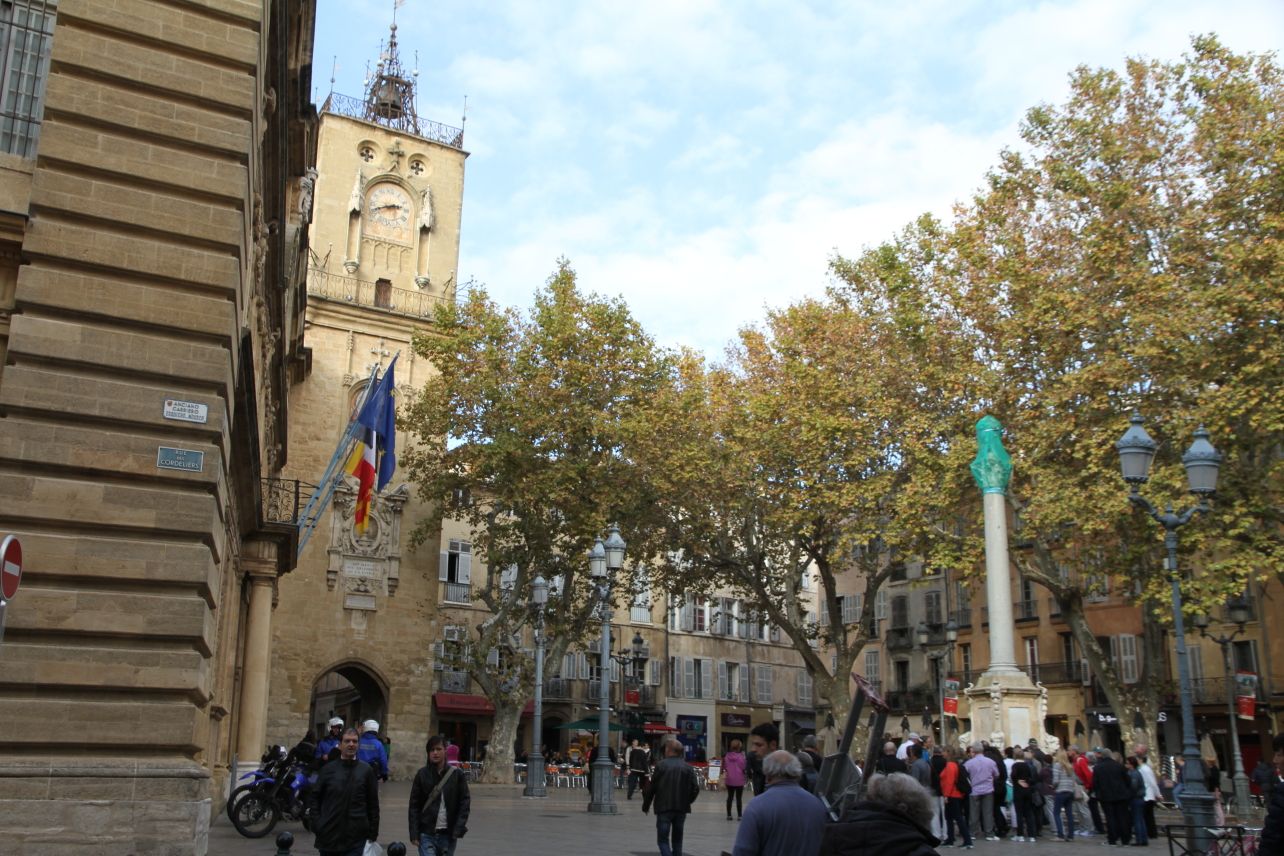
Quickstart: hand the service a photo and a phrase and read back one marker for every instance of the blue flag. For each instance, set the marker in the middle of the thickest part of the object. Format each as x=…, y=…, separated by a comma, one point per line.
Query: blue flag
x=379, y=415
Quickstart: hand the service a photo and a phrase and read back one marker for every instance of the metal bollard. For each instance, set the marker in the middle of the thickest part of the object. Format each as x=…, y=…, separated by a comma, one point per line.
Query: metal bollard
x=284, y=841
x=396, y=848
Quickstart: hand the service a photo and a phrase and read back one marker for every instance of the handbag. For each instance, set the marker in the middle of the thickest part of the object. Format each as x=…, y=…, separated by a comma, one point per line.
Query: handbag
x=1080, y=795
x=372, y=849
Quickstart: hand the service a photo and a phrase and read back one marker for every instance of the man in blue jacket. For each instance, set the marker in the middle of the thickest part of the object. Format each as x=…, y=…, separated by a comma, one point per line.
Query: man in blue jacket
x=784, y=820
x=372, y=750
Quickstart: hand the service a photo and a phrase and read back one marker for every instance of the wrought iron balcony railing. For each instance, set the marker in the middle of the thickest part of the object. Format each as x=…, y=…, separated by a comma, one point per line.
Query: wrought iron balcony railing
x=1026, y=610
x=356, y=108
x=454, y=681
x=557, y=688
x=283, y=500
x=378, y=295
x=457, y=592
x=962, y=617
x=900, y=638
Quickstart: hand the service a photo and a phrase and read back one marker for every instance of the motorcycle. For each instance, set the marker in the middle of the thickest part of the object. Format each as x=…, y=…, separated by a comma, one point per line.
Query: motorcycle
x=279, y=789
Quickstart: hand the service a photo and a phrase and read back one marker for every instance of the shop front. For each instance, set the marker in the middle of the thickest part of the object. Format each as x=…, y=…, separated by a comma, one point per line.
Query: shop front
x=466, y=720
x=733, y=726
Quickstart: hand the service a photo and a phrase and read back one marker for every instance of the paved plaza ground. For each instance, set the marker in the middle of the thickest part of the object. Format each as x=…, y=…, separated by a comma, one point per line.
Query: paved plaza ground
x=504, y=823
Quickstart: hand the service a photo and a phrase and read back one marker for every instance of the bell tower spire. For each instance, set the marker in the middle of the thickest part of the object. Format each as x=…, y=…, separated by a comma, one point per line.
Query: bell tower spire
x=390, y=91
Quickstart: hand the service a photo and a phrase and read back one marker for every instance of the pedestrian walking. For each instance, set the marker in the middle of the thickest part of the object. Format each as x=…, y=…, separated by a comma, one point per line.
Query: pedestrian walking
x=439, y=803
x=1063, y=783
x=763, y=740
x=345, y=802
x=734, y=770
x=785, y=820
x=893, y=817
x=953, y=789
x=673, y=788
x=984, y=776
x=639, y=768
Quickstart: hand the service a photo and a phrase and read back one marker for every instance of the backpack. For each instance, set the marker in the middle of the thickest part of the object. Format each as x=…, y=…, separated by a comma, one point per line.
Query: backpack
x=963, y=782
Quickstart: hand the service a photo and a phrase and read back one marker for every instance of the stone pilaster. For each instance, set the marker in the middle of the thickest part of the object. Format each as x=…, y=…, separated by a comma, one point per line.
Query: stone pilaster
x=259, y=564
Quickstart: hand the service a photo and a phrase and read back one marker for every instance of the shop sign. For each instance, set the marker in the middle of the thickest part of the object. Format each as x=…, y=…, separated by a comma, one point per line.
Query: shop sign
x=735, y=720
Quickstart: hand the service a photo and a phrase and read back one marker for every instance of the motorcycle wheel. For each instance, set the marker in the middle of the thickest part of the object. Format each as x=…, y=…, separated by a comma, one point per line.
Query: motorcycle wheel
x=255, y=815
x=235, y=797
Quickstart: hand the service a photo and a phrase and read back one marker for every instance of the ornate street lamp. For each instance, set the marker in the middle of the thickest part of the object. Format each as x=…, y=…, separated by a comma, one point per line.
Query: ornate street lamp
x=605, y=559
x=1136, y=452
x=535, y=784
x=1239, y=613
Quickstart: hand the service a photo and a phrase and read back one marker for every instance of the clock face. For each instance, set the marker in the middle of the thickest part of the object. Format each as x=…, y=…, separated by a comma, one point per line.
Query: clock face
x=388, y=212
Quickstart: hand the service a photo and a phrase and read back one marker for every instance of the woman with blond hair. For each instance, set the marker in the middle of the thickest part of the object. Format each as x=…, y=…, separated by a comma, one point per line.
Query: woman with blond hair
x=1063, y=781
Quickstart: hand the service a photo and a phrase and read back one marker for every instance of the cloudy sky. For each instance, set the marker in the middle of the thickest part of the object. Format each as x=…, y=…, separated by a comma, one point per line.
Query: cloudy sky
x=705, y=160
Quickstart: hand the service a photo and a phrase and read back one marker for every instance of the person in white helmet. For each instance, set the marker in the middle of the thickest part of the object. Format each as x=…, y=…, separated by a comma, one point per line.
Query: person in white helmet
x=327, y=747
x=371, y=749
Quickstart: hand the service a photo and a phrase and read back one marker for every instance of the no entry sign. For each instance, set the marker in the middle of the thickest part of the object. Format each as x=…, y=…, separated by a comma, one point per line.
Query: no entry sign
x=10, y=566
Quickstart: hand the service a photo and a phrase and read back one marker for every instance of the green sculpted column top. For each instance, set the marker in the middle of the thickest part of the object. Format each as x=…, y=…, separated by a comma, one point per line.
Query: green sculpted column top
x=992, y=468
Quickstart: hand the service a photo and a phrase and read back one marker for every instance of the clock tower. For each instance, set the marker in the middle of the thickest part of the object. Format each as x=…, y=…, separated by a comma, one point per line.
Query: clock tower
x=354, y=623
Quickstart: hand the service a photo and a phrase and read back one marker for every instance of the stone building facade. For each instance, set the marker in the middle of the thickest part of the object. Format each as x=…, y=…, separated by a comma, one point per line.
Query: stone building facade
x=153, y=211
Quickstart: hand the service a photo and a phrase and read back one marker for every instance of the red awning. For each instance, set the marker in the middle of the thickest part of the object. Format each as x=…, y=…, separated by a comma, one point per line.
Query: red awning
x=468, y=704
x=658, y=728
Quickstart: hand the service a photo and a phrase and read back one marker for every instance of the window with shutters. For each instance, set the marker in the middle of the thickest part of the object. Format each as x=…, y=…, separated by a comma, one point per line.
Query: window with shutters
x=873, y=670
x=675, y=677
x=1195, y=662
x=1123, y=651
x=1244, y=655
x=656, y=668
x=1097, y=588
x=688, y=677
x=704, y=677
x=763, y=675
x=804, y=688
x=640, y=607
x=932, y=607
x=965, y=657
x=1031, y=645
x=900, y=612
x=900, y=671
x=26, y=35
x=455, y=572
x=880, y=605
x=851, y=608
x=700, y=615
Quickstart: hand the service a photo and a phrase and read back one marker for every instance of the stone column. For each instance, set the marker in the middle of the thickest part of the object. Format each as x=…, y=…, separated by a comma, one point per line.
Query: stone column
x=992, y=470
x=259, y=563
x=1006, y=706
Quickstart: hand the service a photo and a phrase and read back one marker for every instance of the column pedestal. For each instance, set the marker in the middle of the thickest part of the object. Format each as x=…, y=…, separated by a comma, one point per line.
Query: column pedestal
x=1008, y=709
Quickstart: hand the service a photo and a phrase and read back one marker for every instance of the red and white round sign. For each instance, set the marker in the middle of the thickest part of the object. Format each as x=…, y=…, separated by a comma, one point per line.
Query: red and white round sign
x=10, y=566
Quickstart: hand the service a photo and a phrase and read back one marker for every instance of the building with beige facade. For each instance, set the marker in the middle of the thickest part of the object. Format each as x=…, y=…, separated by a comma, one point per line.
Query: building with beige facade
x=154, y=201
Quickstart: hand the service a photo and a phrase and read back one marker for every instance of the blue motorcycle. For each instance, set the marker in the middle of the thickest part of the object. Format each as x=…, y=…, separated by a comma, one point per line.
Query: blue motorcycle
x=278, y=789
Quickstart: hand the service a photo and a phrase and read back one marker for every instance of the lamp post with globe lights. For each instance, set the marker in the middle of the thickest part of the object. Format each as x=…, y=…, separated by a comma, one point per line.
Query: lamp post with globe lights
x=535, y=784
x=1136, y=452
x=605, y=558
x=1239, y=614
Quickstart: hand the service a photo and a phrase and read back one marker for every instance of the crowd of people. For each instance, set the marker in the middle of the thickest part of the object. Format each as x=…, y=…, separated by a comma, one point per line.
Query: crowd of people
x=917, y=798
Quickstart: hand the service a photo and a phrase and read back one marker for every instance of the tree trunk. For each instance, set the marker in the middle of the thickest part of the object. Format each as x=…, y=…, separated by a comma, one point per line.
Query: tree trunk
x=498, y=769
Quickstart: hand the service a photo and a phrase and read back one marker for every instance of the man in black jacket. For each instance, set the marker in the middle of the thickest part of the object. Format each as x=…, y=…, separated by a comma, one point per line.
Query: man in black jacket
x=673, y=788
x=345, y=802
x=639, y=763
x=1110, y=784
x=439, y=803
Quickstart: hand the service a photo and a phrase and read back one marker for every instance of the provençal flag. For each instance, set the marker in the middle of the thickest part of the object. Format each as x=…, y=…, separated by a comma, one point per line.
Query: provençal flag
x=373, y=459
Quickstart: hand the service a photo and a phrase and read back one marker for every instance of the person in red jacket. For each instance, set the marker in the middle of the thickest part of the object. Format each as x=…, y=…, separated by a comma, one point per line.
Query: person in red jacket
x=955, y=805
